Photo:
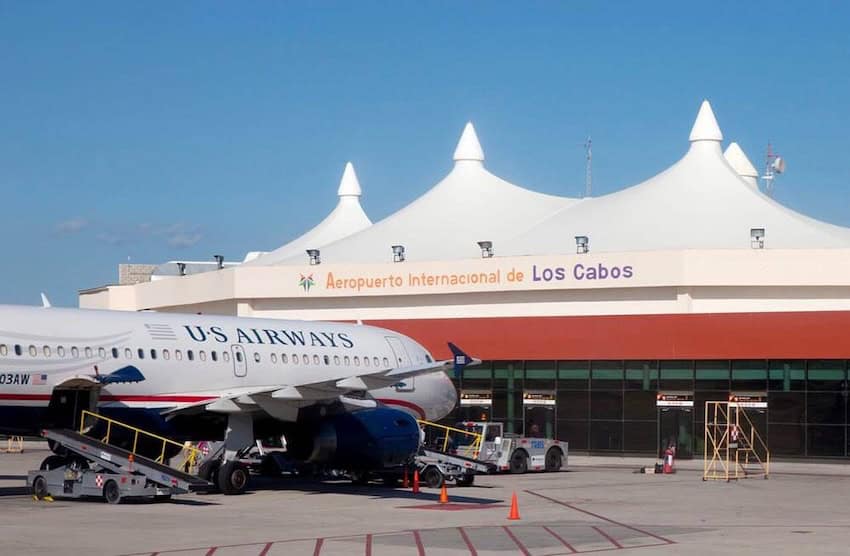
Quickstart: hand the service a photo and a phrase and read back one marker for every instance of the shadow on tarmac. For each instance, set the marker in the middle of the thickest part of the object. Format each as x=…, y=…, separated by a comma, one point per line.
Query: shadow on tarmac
x=462, y=495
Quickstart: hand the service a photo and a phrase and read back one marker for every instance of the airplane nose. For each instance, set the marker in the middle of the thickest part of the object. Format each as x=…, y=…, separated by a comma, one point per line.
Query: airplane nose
x=447, y=396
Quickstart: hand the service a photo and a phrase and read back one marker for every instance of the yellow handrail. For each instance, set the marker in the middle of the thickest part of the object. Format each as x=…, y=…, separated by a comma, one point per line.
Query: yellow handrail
x=193, y=455
x=470, y=450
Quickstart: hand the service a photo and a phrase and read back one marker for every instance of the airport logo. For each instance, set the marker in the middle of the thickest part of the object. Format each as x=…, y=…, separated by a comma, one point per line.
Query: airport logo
x=306, y=282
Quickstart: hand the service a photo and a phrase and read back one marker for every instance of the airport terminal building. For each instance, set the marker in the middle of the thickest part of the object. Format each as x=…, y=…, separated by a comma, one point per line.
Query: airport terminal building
x=604, y=321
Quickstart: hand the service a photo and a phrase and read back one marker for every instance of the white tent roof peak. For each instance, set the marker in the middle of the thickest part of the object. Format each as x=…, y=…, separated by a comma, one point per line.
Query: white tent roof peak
x=705, y=126
x=736, y=158
x=468, y=148
x=349, y=185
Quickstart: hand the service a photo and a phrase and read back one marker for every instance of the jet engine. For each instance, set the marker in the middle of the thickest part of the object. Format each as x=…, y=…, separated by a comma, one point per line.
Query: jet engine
x=368, y=439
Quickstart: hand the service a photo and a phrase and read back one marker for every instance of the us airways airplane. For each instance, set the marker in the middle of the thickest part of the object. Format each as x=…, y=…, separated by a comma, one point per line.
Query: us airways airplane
x=342, y=394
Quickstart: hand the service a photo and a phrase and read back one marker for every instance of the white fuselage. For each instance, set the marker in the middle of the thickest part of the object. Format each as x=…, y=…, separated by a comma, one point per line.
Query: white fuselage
x=186, y=359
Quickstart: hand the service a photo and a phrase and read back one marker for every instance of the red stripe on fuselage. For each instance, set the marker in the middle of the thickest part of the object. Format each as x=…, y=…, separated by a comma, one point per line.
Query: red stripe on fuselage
x=163, y=398
x=404, y=403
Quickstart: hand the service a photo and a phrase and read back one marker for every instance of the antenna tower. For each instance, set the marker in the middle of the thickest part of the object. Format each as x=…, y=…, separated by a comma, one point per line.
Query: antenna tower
x=774, y=165
x=588, y=173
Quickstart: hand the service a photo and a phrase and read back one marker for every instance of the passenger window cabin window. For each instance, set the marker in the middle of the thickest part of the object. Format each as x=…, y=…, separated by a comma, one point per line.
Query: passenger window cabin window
x=386, y=363
x=356, y=361
x=202, y=355
x=4, y=350
x=366, y=362
x=273, y=357
x=89, y=353
x=18, y=350
x=226, y=356
x=256, y=357
x=75, y=352
x=214, y=355
x=283, y=358
x=101, y=353
x=315, y=359
x=33, y=351
x=141, y=353
x=376, y=361
x=178, y=355
x=327, y=359
x=294, y=358
x=47, y=351
x=153, y=354
x=336, y=360
x=190, y=355
x=128, y=353
x=166, y=354
x=238, y=356
x=115, y=353
x=60, y=351
x=347, y=360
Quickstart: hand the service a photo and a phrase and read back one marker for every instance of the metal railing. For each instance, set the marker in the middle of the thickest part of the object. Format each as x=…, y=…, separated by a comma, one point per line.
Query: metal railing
x=192, y=455
x=469, y=447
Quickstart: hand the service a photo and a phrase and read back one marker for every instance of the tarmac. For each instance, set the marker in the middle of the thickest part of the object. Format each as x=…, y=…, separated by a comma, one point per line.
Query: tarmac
x=598, y=505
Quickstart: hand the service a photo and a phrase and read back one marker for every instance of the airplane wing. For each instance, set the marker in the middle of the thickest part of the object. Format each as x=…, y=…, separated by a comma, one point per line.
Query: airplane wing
x=300, y=395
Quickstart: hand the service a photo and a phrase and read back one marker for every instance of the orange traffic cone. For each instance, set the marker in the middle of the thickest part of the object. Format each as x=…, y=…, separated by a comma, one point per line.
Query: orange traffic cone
x=404, y=482
x=415, y=481
x=514, y=508
x=444, y=494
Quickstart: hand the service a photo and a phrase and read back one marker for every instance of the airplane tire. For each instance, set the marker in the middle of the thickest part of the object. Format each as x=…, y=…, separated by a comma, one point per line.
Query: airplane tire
x=519, y=462
x=111, y=492
x=553, y=460
x=208, y=471
x=233, y=478
x=39, y=488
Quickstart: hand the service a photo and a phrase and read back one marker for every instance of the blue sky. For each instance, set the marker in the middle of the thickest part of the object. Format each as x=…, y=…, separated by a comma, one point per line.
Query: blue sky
x=164, y=130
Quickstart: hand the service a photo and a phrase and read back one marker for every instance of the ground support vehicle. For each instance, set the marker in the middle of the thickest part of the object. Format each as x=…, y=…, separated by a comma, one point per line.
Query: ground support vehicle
x=516, y=453
x=436, y=467
x=89, y=467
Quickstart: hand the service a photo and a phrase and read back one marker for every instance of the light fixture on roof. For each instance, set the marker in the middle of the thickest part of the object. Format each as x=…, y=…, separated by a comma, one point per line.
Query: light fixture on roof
x=398, y=253
x=314, y=255
x=757, y=238
x=181, y=268
x=582, y=245
x=219, y=261
x=486, y=249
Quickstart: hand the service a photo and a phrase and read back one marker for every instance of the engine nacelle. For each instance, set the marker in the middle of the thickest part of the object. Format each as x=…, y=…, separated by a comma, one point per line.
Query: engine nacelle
x=369, y=439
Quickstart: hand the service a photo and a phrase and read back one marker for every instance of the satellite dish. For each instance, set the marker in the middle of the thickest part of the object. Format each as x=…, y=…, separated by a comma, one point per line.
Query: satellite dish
x=778, y=165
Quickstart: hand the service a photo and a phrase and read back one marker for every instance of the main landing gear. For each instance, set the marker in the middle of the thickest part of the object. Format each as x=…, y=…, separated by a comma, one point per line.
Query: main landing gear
x=228, y=473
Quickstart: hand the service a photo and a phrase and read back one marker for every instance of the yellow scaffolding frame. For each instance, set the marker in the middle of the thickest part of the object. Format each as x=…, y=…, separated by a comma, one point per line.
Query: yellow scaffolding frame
x=470, y=450
x=192, y=455
x=14, y=445
x=733, y=447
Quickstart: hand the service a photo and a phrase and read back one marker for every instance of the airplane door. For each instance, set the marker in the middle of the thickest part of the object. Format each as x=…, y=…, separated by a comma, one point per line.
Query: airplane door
x=401, y=359
x=240, y=362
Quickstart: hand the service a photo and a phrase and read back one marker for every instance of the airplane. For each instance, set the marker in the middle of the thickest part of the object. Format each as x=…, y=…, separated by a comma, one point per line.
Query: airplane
x=346, y=395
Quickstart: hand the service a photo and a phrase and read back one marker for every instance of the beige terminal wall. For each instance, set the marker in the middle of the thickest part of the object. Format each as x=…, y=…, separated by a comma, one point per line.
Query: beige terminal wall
x=657, y=282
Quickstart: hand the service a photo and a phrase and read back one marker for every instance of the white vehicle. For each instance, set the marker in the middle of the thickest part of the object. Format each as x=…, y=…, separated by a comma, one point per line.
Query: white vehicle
x=516, y=453
x=326, y=386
